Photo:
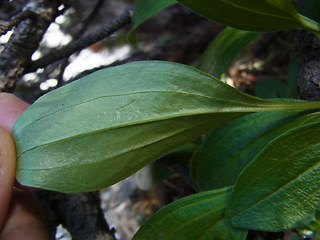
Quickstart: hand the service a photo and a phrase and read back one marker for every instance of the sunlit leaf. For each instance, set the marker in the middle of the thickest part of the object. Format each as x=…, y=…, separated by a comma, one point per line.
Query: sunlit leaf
x=223, y=49
x=280, y=189
x=102, y=128
x=199, y=216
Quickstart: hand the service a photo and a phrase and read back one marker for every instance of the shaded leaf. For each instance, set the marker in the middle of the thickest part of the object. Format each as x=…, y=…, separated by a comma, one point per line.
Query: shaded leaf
x=270, y=88
x=264, y=15
x=293, y=71
x=102, y=128
x=228, y=149
x=280, y=189
x=144, y=9
x=313, y=8
x=223, y=49
x=199, y=216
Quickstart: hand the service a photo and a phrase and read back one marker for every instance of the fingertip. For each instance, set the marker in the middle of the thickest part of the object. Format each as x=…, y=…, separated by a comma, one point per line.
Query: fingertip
x=25, y=219
x=11, y=107
x=7, y=171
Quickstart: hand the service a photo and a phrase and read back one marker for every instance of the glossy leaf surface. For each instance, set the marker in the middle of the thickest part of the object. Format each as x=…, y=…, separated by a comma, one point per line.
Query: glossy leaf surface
x=102, y=128
x=199, y=216
x=263, y=15
x=280, y=189
x=228, y=149
x=223, y=49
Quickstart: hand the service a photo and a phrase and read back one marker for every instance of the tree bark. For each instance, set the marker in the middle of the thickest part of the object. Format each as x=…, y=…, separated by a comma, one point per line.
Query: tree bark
x=308, y=47
x=25, y=41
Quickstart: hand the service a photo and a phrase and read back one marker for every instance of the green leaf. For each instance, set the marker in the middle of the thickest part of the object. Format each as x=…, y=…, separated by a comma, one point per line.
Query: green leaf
x=223, y=156
x=263, y=15
x=144, y=9
x=270, y=88
x=102, y=128
x=313, y=7
x=223, y=49
x=293, y=71
x=280, y=189
x=199, y=216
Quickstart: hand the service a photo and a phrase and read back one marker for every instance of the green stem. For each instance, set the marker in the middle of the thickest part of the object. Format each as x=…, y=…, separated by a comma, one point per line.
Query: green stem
x=308, y=23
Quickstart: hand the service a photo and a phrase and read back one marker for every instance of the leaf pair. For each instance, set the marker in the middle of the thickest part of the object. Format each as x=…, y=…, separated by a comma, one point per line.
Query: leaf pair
x=272, y=159
x=279, y=190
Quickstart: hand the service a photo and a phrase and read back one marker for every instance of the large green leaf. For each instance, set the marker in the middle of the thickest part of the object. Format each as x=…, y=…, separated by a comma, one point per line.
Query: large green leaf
x=144, y=9
x=101, y=129
x=280, y=189
x=229, y=148
x=223, y=49
x=199, y=216
x=262, y=15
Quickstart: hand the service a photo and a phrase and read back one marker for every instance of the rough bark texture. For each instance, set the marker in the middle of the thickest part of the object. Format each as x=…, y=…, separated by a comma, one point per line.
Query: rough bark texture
x=79, y=213
x=25, y=40
x=308, y=46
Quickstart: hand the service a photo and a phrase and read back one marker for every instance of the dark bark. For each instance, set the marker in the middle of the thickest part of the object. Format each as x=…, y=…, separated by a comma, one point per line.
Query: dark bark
x=308, y=47
x=82, y=43
x=25, y=40
x=79, y=213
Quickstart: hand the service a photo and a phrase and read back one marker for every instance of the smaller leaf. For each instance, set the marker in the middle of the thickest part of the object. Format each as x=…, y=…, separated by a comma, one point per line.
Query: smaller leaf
x=199, y=216
x=293, y=71
x=223, y=49
x=223, y=156
x=270, y=88
x=313, y=7
x=144, y=9
x=280, y=189
x=265, y=15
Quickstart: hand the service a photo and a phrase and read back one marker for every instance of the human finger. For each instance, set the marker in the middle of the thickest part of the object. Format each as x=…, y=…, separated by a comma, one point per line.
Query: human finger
x=7, y=171
x=25, y=220
x=11, y=107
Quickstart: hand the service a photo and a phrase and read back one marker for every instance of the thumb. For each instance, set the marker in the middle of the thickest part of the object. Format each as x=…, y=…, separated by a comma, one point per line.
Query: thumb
x=7, y=172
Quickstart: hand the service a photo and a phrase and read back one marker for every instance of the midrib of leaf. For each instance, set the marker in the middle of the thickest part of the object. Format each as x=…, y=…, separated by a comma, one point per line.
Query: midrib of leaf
x=256, y=107
x=195, y=218
x=287, y=184
x=251, y=10
x=291, y=181
x=136, y=147
x=209, y=228
x=308, y=23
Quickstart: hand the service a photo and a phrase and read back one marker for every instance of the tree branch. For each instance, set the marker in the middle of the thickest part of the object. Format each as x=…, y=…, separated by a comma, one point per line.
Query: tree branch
x=5, y=26
x=82, y=43
x=24, y=41
x=79, y=213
